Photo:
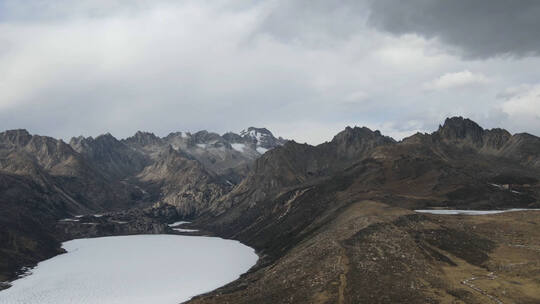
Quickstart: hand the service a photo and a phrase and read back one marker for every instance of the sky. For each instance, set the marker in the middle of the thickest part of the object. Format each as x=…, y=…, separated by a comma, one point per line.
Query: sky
x=304, y=69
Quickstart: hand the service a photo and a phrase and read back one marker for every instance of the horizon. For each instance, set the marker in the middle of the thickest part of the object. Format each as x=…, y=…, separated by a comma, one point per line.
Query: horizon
x=68, y=139
x=94, y=66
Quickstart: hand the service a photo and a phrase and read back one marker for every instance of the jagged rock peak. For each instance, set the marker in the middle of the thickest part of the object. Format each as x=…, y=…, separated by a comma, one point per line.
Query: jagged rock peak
x=81, y=138
x=360, y=134
x=255, y=133
x=79, y=143
x=144, y=138
x=178, y=134
x=232, y=137
x=467, y=132
x=106, y=136
x=261, y=137
x=16, y=132
x=456, y=128
x=18, y=137
x=205, y=137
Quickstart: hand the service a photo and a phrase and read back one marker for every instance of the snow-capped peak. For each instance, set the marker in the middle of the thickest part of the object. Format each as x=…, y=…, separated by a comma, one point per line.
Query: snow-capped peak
x=262, y=138
x=257, y=134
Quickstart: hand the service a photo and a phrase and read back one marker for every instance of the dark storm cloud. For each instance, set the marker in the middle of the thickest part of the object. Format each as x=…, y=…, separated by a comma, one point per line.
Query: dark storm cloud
x=314, y=20
x=479, y=28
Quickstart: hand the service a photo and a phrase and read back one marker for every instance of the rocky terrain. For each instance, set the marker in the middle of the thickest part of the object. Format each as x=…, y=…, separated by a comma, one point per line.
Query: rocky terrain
x=332, y=223
x=45, y=180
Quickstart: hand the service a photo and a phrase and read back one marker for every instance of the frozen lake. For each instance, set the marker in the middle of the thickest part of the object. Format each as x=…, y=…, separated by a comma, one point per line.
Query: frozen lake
x=469, y=212
x=133, y=269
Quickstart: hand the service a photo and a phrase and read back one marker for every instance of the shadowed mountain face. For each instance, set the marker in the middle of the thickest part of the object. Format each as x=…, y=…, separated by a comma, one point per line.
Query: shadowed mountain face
x=460, y=165
x=43, y=180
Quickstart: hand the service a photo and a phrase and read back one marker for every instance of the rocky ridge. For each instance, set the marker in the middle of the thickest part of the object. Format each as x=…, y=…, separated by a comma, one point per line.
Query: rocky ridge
x=333, y=223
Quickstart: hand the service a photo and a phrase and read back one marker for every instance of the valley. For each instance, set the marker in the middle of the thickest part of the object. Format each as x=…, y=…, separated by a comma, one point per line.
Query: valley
x=333, y=223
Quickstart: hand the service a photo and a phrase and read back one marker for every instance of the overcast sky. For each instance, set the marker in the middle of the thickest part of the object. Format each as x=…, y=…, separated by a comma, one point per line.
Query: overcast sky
x=304, y=69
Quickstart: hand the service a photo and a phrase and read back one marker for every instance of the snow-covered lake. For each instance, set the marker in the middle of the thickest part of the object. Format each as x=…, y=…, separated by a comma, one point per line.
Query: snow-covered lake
x=469, y=212
x=133, y=269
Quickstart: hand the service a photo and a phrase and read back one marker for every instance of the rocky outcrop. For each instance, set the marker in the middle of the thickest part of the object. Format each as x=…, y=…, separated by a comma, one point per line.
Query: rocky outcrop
x=183, y=182
x=462, y=132
x=143, y=139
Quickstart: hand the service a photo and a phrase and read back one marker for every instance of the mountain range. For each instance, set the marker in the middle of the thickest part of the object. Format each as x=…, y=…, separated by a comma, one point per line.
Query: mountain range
x=332, y=223
x=45, y=179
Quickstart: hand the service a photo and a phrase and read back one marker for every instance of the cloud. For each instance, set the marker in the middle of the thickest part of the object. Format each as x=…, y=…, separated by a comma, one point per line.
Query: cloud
x=522, y=103
x=456, y=80
x=305, y=68
x=475, y=29
x=313, y=22
x=355, y=97
x=318, y=132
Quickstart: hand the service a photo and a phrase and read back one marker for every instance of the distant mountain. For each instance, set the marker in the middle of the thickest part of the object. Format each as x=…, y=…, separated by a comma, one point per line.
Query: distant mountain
x=261, y=138
x=110, y=155
x=45, y=179
x=466, y=134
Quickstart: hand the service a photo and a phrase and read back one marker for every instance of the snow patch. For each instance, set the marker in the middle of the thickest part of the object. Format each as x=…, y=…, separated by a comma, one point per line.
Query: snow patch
x=69, y=220
x=261, y=150
x=203, y=146
x=178, y=223
x=239, y=147
x=472, y=212
x=185, y=230
x=253, y=134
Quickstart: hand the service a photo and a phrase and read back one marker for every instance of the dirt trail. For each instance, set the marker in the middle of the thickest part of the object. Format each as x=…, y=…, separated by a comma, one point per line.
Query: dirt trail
x=344, y=260
x=489, y=276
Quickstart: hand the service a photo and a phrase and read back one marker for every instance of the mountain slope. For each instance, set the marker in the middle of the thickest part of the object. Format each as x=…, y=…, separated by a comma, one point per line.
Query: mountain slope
x=333, y=224
x=42, y=180
x=111, y=156
x=183, y=182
